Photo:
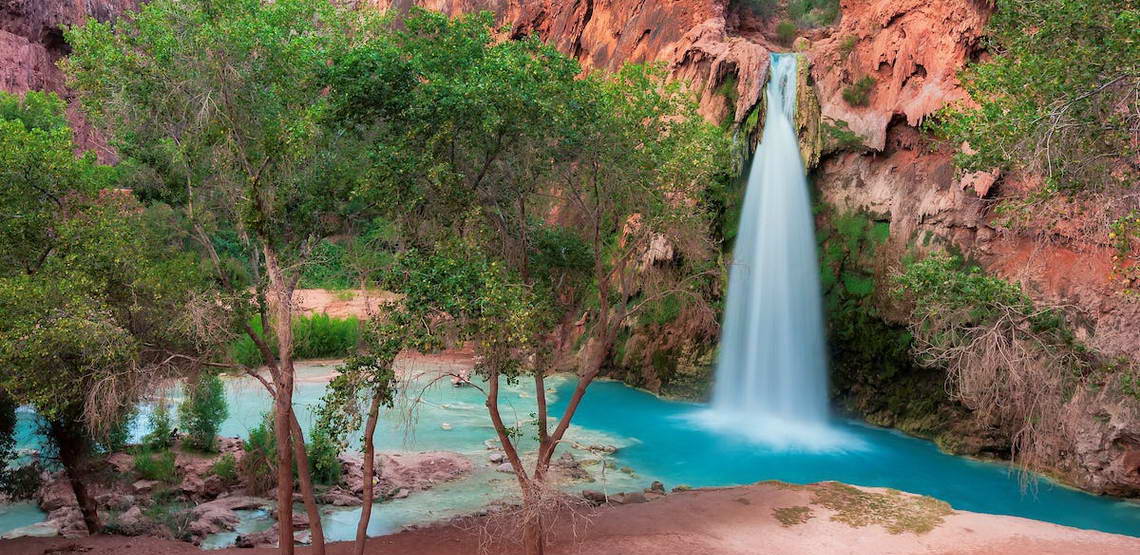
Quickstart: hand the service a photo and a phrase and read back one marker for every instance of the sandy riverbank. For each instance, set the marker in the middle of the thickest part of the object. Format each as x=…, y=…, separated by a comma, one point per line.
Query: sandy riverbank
x=763, y=518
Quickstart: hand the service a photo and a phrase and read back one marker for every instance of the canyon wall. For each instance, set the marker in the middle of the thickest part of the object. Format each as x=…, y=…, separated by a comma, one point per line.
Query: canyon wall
x=31, y=42
x=899, y=178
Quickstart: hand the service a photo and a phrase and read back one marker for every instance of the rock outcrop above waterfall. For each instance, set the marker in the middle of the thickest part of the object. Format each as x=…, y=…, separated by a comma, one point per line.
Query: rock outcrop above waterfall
x=913, y=49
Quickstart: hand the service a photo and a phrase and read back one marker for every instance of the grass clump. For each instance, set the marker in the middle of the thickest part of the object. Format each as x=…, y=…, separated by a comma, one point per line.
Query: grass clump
x=814, y=13
x=859, y=93
x=314, y=336
x=156, y=466
x=226, y=469
x=847, y=45
x=894, y=510
x=786, y=32
x=260, y=455
x=791, y=516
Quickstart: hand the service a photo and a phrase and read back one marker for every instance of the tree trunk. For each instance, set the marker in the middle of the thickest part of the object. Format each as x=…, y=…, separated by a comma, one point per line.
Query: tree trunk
x=534, y=535
x=368, y=476
x=282, y=297
x=315, y=527
x=72, y=446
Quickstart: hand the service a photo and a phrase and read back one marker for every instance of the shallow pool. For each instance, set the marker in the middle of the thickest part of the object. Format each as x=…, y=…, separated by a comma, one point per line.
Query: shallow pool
x=659, y=440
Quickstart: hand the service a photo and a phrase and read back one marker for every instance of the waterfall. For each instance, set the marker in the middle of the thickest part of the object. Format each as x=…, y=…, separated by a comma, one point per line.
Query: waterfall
x=771, y=376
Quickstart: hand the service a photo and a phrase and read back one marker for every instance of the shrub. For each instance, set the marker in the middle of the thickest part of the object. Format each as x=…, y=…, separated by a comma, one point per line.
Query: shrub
x=847, y=45
x=859, y=93
x=760, y=8
x=255, y=469
x=323, y=463
x=839, y=136
x=316, y=336
x=161, y=427
x=156, y=466
x=322, y=336
x=226, y=469
x=1014, y=364
x=203, y=411
x=814, y=13
x=786, y=32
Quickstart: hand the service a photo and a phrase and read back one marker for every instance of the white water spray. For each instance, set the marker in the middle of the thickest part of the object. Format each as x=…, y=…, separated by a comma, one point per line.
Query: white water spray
x=771, y=377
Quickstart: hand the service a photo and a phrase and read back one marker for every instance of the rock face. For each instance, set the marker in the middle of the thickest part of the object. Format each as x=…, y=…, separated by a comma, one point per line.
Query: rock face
x=31, y=42
x=912, y=48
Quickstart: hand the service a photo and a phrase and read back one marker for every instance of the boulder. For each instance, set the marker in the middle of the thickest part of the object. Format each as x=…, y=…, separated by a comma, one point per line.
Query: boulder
x=656, y=487
x=115, y=501
x=419, y=471
x=69, y=522
x=594, y=496
x=121, y=462
x=213, y=486
x=497, y=458
x=145, y=486
x=629, y=498
x=55, y=493
x=131, y=517
x=571, y=467
x=505, y=467
x=268, y=538
x=339, y=497
x=212, y=520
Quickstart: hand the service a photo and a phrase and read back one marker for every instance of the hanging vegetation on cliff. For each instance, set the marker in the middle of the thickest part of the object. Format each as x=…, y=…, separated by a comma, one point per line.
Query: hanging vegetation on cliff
x=1060, y=95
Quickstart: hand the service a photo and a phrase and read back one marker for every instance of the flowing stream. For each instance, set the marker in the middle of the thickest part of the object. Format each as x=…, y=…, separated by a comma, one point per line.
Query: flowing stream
x=771, y=376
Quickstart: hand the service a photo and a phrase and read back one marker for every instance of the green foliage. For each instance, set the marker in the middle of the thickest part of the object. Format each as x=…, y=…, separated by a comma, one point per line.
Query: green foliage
x=226, y=468
x=314, y=336
x=260, y=456
x=662, y=311
x=202, y=412
x=1057, y=96
x=940, y=287
x=727, y=89
x=1124, y=234
x=324, y=467
x=786, y=32
x=94, y=291
x=161, y=424
x=327, y=269
x=323, y=336
x=859, y=92
x=847, y=45
x=814, y=13
x=156, y=465
x=760, y=8
x=839, y=136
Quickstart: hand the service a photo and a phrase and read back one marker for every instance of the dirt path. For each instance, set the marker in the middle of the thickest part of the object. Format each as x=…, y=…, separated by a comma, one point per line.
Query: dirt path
x=764, y=518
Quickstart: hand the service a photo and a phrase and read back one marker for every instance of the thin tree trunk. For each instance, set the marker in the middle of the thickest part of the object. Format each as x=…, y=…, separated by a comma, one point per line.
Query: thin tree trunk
x=368, y=476
x=71, y=446
x=283, y=403
x=315, y=527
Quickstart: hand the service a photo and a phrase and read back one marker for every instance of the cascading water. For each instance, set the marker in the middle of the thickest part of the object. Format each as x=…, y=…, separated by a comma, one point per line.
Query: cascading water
x=771, y=377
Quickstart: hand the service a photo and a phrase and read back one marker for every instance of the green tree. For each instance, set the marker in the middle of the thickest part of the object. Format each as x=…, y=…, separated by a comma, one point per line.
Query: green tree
x=226, y=102
x=1058, y=97
x=499, y=136
x=202, y=412
x=94, y=296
